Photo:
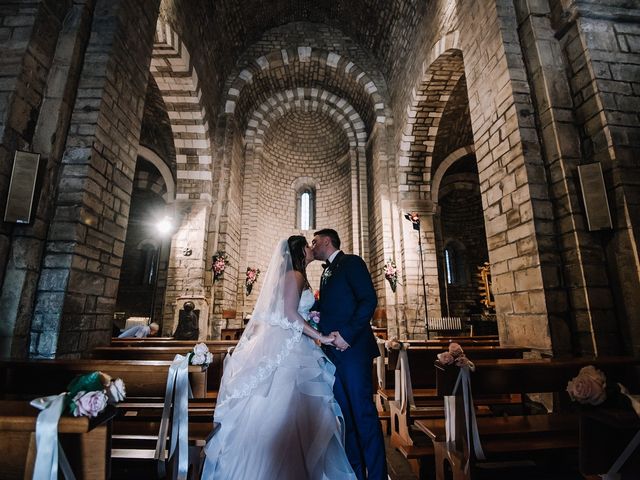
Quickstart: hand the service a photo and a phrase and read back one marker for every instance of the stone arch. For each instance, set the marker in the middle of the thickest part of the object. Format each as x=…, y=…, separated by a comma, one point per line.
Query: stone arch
x=428, y=103
x=179, y=85
x=444, y=166
x=363, y=92
x=153, y=158
x=344, y=115
x=180, y=88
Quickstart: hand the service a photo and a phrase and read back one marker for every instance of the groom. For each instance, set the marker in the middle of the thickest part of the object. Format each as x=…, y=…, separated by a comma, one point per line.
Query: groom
x=347, y=302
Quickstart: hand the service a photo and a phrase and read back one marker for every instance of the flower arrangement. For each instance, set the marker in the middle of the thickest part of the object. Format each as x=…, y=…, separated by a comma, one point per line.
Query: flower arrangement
x=455, y=356
x=314, y=319
x=394, y=344
x=589, y=387
x=251, y=278
x=200, y=355
x=391, y=274
x=88, y=395
x=218, y=263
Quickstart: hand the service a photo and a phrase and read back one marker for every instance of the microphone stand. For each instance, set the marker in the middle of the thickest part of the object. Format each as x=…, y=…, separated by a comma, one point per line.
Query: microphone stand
x=415, y=220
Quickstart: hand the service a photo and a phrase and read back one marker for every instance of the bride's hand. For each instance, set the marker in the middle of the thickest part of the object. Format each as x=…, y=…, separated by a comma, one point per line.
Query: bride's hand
x=327, y=339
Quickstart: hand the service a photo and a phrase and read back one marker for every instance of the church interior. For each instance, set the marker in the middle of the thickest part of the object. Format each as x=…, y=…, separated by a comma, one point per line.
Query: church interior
x=482, y=157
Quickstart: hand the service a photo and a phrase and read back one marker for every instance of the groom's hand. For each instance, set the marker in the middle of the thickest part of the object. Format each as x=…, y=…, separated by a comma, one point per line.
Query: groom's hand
x=339, y=342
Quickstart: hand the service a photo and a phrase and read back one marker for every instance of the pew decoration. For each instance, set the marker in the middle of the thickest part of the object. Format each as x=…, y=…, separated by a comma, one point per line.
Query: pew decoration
x=455, y=356
x=390, y=271
x=200, y=355
x=218, y=264
x=86, y=396
x=251, y=278
x=589, y=387
x=403, y=388
x=176, y=405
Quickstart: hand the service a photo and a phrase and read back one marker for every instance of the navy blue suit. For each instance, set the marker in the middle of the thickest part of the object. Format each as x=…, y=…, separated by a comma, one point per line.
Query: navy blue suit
x=347, y=302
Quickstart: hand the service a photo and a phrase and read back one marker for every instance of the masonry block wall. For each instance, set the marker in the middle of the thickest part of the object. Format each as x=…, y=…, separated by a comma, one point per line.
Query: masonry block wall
x=77, y=288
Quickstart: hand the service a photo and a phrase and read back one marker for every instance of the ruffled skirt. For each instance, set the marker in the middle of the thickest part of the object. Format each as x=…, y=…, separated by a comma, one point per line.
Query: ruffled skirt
x=289, y=427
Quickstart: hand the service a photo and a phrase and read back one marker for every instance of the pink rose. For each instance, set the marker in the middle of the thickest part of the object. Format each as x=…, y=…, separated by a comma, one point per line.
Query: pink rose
x=314, y=316
x=463, y=361
x=116, y=391
x=445, y=358
x=89, y=404
x=455, y=349
x=393, y=344
x=588, y=387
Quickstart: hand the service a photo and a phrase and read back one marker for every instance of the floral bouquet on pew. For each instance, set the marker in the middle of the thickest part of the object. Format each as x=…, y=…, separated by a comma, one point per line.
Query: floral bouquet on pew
x=200, y=355
x=455, y=356
x=590, y=387
x=89, y=394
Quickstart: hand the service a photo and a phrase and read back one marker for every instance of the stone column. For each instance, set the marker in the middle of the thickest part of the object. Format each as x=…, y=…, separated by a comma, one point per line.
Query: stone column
x=83, y=254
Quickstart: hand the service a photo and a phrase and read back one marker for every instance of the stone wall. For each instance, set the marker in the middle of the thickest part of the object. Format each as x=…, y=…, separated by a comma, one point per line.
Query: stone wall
x=78, y=285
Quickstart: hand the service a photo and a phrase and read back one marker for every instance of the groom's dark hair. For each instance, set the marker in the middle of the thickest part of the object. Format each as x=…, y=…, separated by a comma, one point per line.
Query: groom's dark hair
x=332, y=234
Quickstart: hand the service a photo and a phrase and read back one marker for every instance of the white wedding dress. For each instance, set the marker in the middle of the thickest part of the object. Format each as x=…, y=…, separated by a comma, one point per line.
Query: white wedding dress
x=279, y=419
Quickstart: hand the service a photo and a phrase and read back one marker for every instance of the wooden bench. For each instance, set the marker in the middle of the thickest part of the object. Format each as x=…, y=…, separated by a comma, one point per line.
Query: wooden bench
x=522, y=434
x=143, y=378
x=170, y=342
x=214, y=371
x=416, y=448
x=604, y=434
x=85, y=441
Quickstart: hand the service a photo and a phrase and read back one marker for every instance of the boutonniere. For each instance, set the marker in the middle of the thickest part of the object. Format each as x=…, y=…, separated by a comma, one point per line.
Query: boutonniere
x=326, y=274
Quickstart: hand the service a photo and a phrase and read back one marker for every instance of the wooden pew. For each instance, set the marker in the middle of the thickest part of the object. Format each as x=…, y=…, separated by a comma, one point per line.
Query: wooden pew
x=429, y=404
x=604, y=434
x=521, y=434
x=214, y=371
x=143, y=378
x=170, y=342
x=85, y=441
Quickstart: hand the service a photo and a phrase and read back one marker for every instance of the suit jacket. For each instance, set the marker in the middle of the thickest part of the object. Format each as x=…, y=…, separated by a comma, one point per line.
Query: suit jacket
x=347, y=303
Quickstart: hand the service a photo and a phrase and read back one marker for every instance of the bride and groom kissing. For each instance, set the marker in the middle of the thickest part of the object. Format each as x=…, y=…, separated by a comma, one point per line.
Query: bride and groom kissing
x=288, y=408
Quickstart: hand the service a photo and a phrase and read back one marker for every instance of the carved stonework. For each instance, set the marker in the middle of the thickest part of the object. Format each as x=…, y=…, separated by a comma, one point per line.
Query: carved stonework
x=201, y=305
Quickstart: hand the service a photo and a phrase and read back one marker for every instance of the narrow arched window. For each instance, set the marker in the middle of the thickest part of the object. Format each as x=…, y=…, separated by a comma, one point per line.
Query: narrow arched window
x=449, y=262
x=306, y=209
x=454, y=263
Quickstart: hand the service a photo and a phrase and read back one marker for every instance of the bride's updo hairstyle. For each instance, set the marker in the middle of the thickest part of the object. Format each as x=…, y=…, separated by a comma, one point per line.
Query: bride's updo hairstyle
x=297, y=244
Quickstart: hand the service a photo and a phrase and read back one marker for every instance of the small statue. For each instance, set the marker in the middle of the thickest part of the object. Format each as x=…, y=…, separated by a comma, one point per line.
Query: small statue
x=187, y=323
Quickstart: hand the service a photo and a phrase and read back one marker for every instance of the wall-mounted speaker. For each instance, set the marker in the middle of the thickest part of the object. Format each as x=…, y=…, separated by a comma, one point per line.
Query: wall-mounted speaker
x=594, y=197
x=24, y=176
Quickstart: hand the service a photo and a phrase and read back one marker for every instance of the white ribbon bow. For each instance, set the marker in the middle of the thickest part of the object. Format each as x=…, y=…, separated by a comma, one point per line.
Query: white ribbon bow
x=48, y=450
x=178, y=382
x=464, y=378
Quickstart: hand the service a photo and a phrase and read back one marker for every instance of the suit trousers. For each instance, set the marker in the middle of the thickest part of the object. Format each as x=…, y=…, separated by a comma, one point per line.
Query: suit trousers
x=364, y=441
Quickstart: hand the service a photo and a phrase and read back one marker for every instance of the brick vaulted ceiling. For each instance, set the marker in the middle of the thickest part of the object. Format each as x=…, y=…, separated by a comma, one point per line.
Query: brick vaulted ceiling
x=218, y=32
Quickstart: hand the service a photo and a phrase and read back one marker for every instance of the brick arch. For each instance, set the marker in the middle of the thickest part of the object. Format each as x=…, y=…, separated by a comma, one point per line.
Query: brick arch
x=309, y=100
x=179, y=85
x=442, y=71
x=339, y=111
x=438, y=175
x=302, y=65
x=152, y=157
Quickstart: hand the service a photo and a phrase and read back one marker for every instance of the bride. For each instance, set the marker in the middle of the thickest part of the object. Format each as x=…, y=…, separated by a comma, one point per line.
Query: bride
x=278, y=417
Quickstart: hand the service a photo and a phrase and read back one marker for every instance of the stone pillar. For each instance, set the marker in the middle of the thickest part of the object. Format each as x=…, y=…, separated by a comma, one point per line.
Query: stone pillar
x=79, y=280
